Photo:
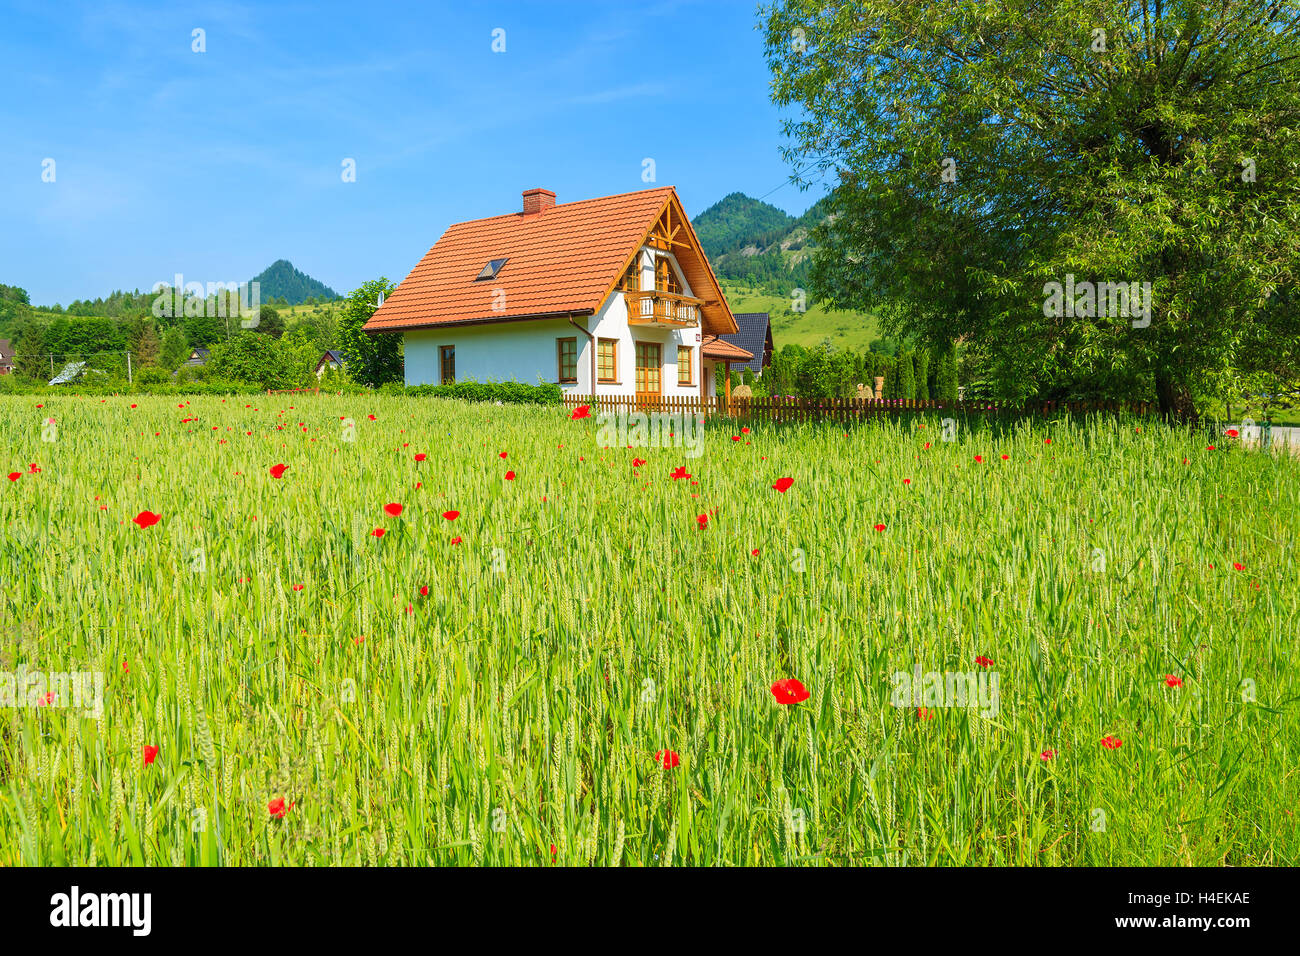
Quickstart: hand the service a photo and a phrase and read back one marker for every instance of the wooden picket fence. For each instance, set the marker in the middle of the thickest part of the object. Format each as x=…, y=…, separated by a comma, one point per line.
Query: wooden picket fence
x=790, y=409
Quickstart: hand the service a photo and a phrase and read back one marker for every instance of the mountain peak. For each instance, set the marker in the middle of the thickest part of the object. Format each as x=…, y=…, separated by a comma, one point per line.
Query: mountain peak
x=280, y=280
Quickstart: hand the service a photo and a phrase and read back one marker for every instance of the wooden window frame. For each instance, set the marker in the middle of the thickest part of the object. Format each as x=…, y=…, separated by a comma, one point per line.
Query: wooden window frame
x=443, y=351
x=631, y=281
x=559, y=359
x=690, y=383
x=672, y=278
x=600, y=375
x=658, y=369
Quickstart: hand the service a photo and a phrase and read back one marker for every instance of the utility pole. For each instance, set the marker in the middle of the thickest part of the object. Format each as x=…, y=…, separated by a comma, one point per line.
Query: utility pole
x=128, y=367
x=51, y=365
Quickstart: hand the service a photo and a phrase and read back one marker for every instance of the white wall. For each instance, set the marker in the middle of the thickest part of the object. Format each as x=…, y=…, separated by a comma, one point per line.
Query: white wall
x=526, y=352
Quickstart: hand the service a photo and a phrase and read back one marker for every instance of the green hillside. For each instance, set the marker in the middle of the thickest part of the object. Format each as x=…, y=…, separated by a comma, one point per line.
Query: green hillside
x=761, y=255
x=845, y=330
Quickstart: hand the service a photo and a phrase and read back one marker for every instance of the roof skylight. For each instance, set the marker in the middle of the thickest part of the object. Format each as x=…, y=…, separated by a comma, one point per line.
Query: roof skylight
x=491, y=269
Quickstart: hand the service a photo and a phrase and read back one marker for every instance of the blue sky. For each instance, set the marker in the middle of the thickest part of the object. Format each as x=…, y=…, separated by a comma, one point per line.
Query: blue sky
x=216, y=164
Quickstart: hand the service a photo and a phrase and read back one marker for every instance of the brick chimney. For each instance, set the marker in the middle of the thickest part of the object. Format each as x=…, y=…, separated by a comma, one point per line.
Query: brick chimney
x=538, y=201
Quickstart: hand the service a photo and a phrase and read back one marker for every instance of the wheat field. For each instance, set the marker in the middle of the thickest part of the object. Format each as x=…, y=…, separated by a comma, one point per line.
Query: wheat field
x=555, y=656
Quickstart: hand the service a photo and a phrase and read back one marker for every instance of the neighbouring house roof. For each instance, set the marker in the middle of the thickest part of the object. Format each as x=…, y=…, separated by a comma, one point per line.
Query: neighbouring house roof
x=6, y=353
x=333, y=355
x=198, y=356
x=70, y=372
x=721, y=350
x=564, y=260
x=755, y=336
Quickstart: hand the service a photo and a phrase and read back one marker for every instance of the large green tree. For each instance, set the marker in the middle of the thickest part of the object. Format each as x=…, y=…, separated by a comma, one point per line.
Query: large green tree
x=981, y=151
x=372, y=359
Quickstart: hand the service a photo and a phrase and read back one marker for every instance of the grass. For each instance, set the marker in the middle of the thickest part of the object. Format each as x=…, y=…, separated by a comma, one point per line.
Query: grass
x=584, y=624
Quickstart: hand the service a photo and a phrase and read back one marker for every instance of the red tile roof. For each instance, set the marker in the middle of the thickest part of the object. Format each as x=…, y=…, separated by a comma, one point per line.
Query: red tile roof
x=722, y=351
x=566, y=259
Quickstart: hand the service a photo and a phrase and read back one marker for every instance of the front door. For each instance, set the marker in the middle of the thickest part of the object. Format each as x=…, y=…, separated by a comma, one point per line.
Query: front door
x=649, y=371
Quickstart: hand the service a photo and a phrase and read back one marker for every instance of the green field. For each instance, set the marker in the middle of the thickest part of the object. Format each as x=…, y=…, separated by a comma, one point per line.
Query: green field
x=579, y=623
x=846, y=330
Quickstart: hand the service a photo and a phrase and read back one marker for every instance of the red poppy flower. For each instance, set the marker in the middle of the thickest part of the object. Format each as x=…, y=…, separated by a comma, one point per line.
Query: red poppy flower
x=277, y=471
x=880, y=527
x=298, y=587
x=907, y=481
x=1005, y=457
x=1238, y=567
x=451, y=515
x=393, y=508
x=680, y=472
x=378, y=533
x=126, y=667
x=371, y=417
x=424, y=591
x=979, y=457
x=15, y=475
x=582, y=411
x=1048, y=754
x=702, y=521
x=782, y=484
x=277, y=808
x=984, y=662
x=924, y=713
x=1111, y=743
x=754, y=552
x=501, y=455
x=1048, y=441
x=745, y=430
x=927, y=446
x=421, y=456
x=456, y=540
x=668, y=758
x=638, y=462
x=510, y=476
x=1232, y=433
x=789, y=691
x=150, y=752
x=1172, y=681
x=146, y=519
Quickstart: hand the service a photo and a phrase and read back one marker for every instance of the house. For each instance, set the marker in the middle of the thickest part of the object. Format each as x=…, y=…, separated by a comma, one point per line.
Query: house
x=755, y=337
x=198, y=356
x=330, y=360
x=610, y=296
x=6, y=358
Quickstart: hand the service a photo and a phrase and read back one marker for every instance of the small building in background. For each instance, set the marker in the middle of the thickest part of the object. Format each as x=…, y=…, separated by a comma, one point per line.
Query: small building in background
x=6, y=358
x=331, y=359
x=755, y=337
x=198, y=356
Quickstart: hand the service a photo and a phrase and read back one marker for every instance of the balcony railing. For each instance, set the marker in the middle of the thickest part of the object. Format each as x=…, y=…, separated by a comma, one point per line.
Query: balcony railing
x=662, y=308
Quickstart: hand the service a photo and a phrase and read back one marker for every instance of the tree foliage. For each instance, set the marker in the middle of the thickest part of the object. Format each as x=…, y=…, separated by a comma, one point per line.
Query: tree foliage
x=374, y=359
x=982, y=151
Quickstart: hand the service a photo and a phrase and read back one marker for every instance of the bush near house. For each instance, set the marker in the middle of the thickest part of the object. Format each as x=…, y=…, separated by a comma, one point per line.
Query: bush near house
x=508, y=393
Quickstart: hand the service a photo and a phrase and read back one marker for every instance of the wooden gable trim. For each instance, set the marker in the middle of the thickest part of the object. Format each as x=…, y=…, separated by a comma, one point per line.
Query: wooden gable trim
x=664, y=213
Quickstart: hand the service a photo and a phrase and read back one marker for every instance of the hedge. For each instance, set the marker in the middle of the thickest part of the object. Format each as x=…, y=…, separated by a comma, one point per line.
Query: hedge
x=507, y=393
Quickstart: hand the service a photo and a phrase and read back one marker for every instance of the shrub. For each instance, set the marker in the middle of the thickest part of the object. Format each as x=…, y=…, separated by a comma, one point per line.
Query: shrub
x=508, y=393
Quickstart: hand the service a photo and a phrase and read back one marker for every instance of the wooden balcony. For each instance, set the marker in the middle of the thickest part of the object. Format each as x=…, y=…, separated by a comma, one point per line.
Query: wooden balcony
x=662, y=309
